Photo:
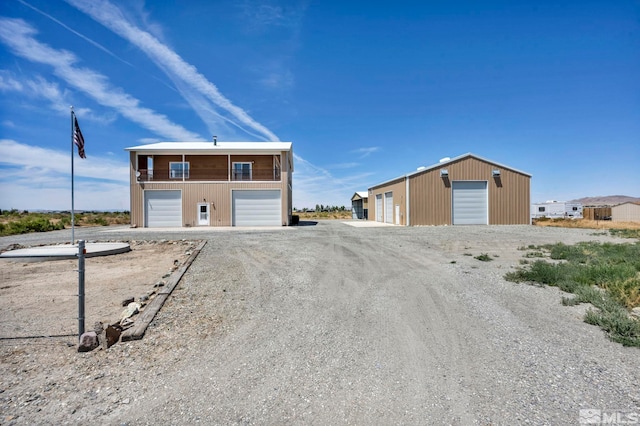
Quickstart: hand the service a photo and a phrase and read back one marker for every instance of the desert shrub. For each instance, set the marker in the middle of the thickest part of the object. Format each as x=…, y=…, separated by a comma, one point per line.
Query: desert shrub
x=625, y=233
x=484, y=257
x=605, y=275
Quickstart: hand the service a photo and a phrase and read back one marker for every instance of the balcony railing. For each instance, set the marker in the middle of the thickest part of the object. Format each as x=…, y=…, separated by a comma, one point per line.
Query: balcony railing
x=255, y=175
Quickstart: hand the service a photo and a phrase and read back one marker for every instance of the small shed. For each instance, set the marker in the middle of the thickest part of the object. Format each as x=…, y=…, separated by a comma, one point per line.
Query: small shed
x=626, y=212
x=360, y=205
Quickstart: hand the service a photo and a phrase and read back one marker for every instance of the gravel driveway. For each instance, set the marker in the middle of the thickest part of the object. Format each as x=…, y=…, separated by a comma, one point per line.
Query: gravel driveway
x=333, y=324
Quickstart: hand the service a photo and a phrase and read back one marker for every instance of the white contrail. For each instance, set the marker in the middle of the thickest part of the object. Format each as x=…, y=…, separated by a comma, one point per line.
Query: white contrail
x=111, y=17
x=18, y=35
x=82, y=36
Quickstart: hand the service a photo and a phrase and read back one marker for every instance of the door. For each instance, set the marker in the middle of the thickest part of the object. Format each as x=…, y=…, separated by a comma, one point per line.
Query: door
x=470, y=203
x=162, y=209
x=256, y=207
x=388, y=207
x=203, y=214
x=397, y=214
x=379, y=208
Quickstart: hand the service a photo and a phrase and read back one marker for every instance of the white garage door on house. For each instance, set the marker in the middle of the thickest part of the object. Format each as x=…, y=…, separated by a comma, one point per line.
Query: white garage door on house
x=388, y=207
x=257, y=208
x=470, y=203
x=162, y=209
x=379, y=208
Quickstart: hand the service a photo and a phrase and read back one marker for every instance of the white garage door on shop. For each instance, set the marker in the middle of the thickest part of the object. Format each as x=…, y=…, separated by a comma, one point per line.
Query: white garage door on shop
x=470, y=203
x=379, y=208
x=256, y=208
x=162, y=209
x=388, y=207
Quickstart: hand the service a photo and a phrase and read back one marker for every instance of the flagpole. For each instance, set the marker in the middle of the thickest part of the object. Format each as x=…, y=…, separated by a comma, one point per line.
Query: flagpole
x=73, y=224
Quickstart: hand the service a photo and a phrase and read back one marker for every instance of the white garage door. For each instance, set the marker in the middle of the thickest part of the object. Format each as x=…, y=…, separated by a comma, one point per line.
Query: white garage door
x=162, y=209
x=257, y=208
x=388, y=207
x=470, y=203
x=379, y=208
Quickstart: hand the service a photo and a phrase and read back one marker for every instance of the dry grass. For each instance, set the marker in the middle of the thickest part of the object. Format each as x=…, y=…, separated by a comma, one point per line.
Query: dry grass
x=338, y=215
x=585, y=223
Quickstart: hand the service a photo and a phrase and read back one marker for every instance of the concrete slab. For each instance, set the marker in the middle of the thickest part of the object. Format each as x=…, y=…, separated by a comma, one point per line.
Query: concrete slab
x=188, y=229
x=64, y=251
x=367, y=224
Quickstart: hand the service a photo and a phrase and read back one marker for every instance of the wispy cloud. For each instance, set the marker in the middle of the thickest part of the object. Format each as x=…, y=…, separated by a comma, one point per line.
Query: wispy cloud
x=82, y=36
x=34, y=177
x=172, y=64
x=316, y=185
x=19, y=36
x=365, y=152
x=30, y=160
x=343, y=166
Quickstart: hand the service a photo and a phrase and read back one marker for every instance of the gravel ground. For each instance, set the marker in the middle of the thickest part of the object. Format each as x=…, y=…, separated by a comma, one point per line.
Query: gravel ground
x=332, y=324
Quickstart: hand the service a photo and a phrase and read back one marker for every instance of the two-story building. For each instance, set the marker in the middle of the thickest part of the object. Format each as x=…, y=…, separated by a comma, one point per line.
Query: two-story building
x=175, y=184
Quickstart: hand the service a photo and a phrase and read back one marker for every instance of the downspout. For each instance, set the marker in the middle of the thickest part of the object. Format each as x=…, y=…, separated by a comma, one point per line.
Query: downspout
x=408, y=222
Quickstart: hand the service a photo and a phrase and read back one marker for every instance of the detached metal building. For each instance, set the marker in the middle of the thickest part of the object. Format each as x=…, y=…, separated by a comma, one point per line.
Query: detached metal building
x=360, y=205
x=626, y=212
x=465, y=190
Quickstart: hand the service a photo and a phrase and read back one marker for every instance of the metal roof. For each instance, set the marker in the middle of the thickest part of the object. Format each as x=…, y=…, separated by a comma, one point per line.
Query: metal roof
x=444, y=163
x=211, y=147
x=361, y=194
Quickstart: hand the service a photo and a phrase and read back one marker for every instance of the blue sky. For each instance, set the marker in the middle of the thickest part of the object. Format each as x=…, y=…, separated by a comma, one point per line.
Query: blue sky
x=366, y=91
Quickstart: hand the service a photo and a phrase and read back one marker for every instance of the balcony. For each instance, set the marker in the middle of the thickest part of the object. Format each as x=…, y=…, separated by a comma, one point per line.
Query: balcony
x=254, y=175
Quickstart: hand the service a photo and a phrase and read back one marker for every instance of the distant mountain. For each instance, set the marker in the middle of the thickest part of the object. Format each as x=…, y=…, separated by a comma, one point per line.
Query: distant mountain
x=608, y=200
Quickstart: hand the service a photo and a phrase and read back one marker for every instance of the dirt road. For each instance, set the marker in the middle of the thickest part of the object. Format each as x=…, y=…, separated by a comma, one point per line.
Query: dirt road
x=331, y=324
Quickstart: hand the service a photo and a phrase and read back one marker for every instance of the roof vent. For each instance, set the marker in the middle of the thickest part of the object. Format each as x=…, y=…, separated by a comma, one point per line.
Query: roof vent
x=215, y=140
x=442, y=160
x=421, y=168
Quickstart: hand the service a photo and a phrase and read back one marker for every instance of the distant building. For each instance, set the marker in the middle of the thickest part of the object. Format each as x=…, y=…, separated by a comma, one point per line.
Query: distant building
x=556, y=209
x=360, y=205
x=626, y=212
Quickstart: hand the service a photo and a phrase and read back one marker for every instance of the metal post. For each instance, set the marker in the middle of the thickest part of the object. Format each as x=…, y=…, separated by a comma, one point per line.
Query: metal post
x=81, y=253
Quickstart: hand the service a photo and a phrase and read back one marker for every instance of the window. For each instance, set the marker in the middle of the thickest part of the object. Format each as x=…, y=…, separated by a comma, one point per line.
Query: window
x=241, y=171
x=575, y=209
x=541, y=209
x=178, y=170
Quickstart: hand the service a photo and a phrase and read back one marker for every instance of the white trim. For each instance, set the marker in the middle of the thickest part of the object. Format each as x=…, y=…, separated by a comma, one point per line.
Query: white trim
x=208, y=206
x=183, y=177
x=234, y=177
x=406, y=199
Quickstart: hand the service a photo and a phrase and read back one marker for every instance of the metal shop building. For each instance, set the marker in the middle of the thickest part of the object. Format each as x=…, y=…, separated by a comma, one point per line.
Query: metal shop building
x=465, y=190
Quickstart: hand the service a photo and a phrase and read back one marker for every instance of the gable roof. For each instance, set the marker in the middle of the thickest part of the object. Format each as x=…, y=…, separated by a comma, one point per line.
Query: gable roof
x=361, y=194
x=449, y=161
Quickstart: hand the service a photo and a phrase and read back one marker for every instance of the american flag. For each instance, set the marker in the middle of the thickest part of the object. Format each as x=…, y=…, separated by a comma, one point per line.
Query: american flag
x=78, y=139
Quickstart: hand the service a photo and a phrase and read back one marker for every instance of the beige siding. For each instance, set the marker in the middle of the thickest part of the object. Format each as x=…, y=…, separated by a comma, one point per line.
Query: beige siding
x=627, y=212
x=431, y=195
x=398, y=188
x=217, y=194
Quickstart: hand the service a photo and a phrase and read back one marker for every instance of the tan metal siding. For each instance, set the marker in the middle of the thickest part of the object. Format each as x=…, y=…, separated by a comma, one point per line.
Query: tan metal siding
x=430, y=195
x=399, y=191
x=628, y=212
x=430, y=199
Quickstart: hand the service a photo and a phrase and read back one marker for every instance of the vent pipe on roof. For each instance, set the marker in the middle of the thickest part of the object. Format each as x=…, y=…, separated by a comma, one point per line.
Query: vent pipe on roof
x=442, y=160
x=215, y=140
